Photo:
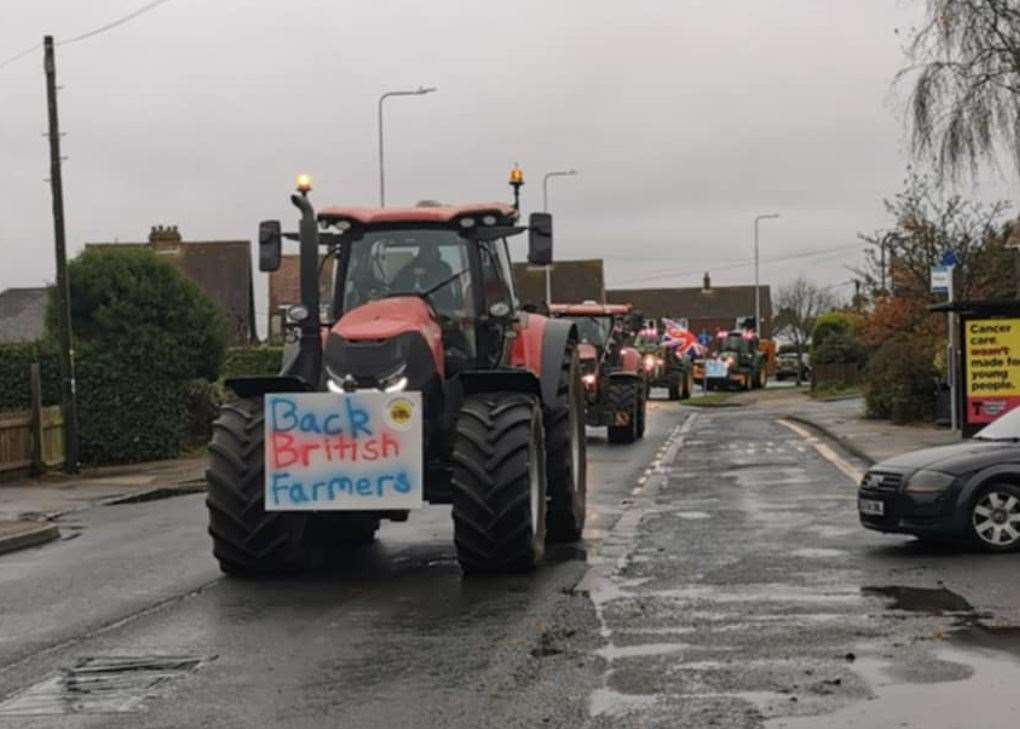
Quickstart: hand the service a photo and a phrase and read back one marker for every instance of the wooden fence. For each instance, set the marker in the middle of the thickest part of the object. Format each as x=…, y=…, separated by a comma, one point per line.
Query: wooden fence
x=837, y=373
x=32, y=440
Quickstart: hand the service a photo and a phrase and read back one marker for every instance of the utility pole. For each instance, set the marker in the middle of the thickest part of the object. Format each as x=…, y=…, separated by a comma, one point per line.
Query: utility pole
x=545, y=209
x=70, y=403
x=757, y=289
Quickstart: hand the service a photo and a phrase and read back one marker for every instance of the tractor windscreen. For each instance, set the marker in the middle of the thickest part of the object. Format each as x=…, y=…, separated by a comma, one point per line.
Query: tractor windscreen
x=432, y=263
x=593, y=329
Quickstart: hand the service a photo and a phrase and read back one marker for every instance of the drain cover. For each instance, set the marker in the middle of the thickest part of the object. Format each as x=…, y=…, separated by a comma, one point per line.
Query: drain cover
x=99, y=685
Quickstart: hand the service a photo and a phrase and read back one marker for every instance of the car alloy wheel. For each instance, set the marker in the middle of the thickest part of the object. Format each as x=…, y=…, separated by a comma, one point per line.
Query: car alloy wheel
x=996, y=519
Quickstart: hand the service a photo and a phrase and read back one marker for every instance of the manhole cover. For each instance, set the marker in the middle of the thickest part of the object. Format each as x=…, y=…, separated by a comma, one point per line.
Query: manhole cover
x=99, y=685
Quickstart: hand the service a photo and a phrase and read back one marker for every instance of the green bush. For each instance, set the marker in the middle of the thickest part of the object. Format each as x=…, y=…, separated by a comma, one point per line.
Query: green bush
x=839, y=347
x=143, y=334
x=833, y=322
x=901, y=381
x=131, y=298
x=252, y=361
x=15, y=383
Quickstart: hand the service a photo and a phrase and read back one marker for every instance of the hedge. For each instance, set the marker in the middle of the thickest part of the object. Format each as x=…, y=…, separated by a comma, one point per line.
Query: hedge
x=251, y=361
x=15, y=382
x=901, y=381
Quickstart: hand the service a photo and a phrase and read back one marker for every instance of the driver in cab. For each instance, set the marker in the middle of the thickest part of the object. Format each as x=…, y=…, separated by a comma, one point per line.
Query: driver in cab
x=426, y=271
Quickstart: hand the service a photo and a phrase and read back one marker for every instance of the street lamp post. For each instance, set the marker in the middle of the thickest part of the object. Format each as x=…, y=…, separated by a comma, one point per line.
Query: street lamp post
x=545, y=208
x=757, y=290
x=420, y=91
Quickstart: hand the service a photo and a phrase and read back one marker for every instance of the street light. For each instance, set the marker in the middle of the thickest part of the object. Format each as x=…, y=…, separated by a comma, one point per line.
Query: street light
x=545, y=208
x=757, y=290
x=420, y=91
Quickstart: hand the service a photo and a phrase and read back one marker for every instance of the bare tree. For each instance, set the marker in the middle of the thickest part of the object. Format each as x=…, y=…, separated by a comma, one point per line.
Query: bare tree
x=925, y=224
x=797, y=306
x=966, y=83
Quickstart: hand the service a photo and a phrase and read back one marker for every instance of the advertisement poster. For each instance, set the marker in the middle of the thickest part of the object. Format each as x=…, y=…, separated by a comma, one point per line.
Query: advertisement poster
x=351, y=451
x=991, y=352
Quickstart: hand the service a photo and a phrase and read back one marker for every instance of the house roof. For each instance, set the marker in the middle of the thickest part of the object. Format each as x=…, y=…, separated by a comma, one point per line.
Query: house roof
x=572, y=281
x=424, y=214
x=718, y=302
x=588, y=309
x=717, y=307
x=23, y=314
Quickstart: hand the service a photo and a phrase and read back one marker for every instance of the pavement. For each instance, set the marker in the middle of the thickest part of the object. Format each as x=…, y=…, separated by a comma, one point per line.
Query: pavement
x=30, y=508
x=724, y=581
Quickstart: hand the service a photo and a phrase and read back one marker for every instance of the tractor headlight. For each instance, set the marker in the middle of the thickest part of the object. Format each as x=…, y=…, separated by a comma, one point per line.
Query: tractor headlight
x=929, y=482
x=398, y=386
x=588, y=380
x=649, y=363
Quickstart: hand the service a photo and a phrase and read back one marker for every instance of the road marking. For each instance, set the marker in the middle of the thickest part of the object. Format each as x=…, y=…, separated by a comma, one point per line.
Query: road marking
x=825, y=451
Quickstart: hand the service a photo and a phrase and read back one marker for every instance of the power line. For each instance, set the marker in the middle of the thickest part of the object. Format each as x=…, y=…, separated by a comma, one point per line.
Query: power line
x=90, y=33
x=742, y=264
x=114, y=23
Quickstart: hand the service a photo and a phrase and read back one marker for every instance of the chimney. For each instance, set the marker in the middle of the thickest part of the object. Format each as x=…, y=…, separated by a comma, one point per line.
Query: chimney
x=706, y=285
x=163, y=237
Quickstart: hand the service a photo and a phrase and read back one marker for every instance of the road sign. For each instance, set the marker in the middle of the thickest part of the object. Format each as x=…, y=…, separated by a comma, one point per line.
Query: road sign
x=948, y=259
x=941, y=279
x=351, y=451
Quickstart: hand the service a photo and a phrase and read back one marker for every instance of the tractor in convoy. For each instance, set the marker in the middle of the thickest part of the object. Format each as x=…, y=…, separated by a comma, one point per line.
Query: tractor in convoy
x=615, y=386
x=664, y=360
x=741, y=362
x=417, y=380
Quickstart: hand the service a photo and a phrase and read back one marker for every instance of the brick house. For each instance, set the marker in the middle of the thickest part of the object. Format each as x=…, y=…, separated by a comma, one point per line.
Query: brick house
x=571, y=282
x=705, y=308
x=285, y=290
x=221, y=269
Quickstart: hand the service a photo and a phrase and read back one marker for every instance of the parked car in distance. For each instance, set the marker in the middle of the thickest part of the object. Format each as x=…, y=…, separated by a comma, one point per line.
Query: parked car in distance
x=968, y=490
x=786, y=367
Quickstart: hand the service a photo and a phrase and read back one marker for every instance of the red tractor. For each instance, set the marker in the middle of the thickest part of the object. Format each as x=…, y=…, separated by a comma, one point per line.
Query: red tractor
x=615, y=386
x=422, y=313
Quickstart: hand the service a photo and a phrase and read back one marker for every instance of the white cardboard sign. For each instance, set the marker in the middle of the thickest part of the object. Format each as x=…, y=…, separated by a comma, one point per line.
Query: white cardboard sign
x=354, y=451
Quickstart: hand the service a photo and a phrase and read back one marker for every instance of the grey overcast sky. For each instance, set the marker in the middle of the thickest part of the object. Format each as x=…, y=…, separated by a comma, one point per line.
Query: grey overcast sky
x=684, y=118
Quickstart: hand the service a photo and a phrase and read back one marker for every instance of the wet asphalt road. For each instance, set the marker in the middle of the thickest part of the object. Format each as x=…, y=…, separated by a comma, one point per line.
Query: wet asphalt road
x=724, y=581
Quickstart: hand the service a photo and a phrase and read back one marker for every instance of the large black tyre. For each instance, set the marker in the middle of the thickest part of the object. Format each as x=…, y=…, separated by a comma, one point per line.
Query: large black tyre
x=642, y=413
x=623, y=398
x=993, y=519
x=247, y=539
x=499, y=494
x=675, y=388
x=566, y=457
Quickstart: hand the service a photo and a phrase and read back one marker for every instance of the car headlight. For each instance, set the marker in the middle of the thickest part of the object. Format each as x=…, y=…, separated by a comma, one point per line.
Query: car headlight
x=929, y=482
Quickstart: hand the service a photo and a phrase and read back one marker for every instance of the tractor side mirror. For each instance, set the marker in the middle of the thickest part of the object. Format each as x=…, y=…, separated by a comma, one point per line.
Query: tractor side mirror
x=540, y=239
x=269, y=245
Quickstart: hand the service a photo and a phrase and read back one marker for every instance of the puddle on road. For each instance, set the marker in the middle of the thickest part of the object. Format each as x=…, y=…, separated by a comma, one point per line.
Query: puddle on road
x=932, y=601
x=985, y=696
x=100, y=685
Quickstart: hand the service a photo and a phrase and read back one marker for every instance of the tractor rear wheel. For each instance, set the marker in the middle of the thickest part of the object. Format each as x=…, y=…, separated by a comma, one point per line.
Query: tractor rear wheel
x=642, y=413
x=247, y=539
x=499, y=483
x=565, y=457
x=623, y=397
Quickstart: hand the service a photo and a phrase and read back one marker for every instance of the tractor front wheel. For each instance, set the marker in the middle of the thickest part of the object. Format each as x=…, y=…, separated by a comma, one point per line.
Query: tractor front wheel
x=499, y=483
x=247, y=539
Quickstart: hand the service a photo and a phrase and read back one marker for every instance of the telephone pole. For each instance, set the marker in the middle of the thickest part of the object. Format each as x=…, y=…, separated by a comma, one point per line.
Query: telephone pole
x=70, y=403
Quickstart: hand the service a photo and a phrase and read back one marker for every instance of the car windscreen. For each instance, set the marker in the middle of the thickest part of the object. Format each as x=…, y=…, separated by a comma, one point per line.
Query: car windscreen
x=1006, y=427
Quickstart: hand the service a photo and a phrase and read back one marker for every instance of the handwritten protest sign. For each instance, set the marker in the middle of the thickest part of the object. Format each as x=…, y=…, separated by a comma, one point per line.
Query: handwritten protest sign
x=715, y=368
x=352, y=451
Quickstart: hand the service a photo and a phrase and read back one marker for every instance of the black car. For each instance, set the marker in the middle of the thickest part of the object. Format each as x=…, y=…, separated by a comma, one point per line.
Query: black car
x=968, y=490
